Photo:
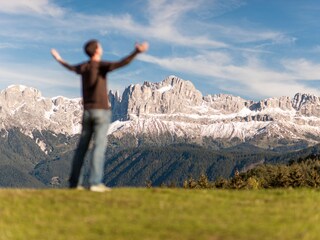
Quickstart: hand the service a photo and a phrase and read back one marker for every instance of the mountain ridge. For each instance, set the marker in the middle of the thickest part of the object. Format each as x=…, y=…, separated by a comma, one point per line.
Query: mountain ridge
x=172, y=108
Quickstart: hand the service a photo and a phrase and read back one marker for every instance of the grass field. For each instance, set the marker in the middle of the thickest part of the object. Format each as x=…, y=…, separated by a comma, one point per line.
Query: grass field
x=133, y=213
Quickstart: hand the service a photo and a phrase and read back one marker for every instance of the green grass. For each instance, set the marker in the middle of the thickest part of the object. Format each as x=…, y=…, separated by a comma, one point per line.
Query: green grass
x=133, y=213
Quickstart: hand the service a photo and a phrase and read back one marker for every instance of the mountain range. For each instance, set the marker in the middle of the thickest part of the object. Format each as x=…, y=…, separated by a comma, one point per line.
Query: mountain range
x=161, y=132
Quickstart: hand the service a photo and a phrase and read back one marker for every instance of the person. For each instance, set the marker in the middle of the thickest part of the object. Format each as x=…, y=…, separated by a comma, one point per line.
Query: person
x=97, y=113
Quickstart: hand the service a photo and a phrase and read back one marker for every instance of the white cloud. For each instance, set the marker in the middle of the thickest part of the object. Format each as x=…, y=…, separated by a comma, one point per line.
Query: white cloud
x=169, y=21
x=166, y=22
x=166, y=12
x=247, y=33
x=162, y=24
x=164, y=16
x=31, y=7
x=256, y=79
x=7, y=45
x=37, y=77
x=302, y=68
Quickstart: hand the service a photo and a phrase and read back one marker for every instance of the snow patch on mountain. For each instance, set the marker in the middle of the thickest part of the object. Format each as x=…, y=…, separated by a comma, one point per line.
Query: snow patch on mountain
x=165, y=89
x=42, y=145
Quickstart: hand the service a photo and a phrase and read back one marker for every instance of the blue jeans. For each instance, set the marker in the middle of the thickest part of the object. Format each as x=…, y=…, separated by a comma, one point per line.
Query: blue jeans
x=95, y=123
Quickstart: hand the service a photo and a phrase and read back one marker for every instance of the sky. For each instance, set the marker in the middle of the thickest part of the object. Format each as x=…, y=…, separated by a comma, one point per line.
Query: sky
x=254, y=49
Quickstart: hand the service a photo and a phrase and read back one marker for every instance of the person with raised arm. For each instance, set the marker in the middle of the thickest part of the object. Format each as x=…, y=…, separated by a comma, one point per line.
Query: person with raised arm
x=97, y=113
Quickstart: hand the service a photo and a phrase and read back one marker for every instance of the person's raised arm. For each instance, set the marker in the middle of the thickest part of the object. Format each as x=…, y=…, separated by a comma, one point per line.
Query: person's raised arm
x=59, y=59
x=139, y=48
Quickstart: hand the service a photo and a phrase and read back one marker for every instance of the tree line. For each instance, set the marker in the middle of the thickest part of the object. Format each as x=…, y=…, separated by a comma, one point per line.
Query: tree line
x=304, y=172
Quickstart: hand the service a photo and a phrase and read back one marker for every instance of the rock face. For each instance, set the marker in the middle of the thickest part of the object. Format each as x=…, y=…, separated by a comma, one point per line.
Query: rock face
x=225, y=103
x=171, y=111
x=173, y=95
x=176, y=96
x=283, y=103
x=26, y=109
x=174, y=109
x=306, y=104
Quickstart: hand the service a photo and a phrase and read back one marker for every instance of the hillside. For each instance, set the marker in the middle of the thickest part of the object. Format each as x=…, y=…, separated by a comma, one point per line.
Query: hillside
x=170, y=165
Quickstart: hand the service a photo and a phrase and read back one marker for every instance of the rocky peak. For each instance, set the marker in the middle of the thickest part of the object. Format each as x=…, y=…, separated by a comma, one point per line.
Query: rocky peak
x=14, y=95
x=25, y=108
x=176, y=96
x=283, y=103
x=306, y=104
x=301, y=99
x=171, y=100
x=171, y=95
x=226, y=103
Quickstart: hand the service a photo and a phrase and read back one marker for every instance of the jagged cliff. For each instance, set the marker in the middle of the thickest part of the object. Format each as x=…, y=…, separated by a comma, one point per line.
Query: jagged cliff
x=25, y=108
x=172, y=111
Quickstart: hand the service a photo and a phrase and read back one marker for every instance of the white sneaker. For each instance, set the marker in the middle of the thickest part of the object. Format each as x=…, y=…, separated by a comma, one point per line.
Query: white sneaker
x=80, y=188
x=100, y=188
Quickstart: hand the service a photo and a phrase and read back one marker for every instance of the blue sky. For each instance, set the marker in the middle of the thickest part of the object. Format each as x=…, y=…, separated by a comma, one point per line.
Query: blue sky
x=254, y=49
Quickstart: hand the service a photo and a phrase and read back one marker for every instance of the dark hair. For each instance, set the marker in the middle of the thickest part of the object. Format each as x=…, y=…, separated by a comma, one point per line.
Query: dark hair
x=90, y=47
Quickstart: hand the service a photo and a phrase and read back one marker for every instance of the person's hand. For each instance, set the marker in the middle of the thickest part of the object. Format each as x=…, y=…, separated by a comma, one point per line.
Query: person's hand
x=56, y=55
x=142, y=47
